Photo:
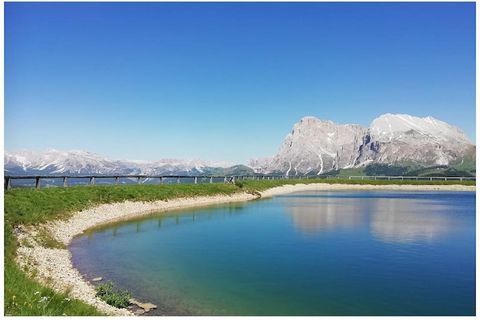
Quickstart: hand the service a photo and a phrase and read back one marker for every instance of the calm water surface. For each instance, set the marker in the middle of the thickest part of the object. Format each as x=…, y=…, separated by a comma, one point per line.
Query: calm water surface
x=310, y=253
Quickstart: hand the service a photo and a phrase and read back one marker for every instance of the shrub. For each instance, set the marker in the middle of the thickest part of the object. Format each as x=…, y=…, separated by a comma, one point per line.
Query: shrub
x=114, y=297
x=239, y=184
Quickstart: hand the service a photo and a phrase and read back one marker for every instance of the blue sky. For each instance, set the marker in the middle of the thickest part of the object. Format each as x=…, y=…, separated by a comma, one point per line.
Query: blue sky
x=226, y=81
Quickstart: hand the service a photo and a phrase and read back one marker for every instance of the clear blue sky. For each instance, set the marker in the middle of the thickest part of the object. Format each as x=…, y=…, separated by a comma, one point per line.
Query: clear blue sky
x=226, y=81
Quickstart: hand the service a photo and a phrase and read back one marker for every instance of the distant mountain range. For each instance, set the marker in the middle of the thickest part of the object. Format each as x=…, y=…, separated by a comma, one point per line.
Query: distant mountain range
x=393, y=144
x=54, y=162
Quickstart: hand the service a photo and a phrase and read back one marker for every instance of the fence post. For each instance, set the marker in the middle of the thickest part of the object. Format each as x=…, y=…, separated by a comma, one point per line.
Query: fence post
x=92, y=180
x=178, y=180
x=116, y=180
x=195, y=180
x=37, y=183
x=161, y=180
x=211, y=179
x=7, y=183
x=138, y=180
x=224, y=179
x=65, y=182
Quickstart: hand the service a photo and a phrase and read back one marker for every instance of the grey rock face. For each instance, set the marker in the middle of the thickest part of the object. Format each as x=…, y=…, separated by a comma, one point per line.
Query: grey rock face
x=318, y=146
x=425, y=141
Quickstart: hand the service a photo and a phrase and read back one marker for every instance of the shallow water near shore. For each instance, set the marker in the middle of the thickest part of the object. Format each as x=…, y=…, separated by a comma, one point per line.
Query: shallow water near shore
x=306, y=253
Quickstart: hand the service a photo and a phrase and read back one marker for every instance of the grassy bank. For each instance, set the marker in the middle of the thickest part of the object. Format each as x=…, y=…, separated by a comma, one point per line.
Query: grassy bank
x=260, y=185
x=24, y=296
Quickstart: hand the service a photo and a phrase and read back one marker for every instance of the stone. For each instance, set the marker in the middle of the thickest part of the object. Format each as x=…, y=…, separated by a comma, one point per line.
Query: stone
x=139, y=312
x=147, y=306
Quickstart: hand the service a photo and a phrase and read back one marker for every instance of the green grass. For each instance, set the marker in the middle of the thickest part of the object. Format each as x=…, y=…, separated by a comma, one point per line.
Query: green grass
x=464, y=167
x=113, y=296
x=351, y=172
x=260, y=185
x=24, y=296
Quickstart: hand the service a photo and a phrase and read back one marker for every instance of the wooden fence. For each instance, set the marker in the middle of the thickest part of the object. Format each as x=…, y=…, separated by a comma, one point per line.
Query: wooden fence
x=417, y=178
x=115, y=179
x=138, y=178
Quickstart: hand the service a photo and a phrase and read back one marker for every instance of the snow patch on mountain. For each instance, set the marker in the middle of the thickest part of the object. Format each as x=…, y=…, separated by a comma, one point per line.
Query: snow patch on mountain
x=392, y=126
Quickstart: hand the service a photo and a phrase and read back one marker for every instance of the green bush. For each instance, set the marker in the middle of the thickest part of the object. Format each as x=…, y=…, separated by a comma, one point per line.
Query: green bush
x=239, y=184
x=114, y=297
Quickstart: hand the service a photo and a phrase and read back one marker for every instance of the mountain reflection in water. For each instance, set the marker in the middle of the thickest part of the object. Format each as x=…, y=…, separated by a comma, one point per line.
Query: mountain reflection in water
x=391, y=219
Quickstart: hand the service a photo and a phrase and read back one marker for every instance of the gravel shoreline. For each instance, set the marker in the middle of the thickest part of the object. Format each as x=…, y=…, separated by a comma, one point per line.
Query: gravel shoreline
x=53, y=267
x=333, y=187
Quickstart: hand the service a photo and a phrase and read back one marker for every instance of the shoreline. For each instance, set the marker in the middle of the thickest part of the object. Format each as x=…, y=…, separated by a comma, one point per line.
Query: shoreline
x=53, y=266
x=289, y=188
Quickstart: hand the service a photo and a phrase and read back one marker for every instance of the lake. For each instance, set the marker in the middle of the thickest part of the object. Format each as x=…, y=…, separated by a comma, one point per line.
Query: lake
x=308, y=253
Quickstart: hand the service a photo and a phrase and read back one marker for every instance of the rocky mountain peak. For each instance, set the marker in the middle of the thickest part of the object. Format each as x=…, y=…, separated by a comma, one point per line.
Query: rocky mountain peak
x=391, y=126
x=317, y=146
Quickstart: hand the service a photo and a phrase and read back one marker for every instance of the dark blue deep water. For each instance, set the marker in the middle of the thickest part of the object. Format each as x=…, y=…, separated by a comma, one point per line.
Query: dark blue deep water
x=311, y=253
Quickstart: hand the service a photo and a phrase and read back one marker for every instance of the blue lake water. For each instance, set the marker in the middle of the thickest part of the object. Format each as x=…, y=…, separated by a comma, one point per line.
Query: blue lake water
x=309, y=253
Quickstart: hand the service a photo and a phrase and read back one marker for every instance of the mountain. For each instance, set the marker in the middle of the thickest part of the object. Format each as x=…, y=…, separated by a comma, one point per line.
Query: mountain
x=54, y=162
x=393, y=144
x=425, y=141
x=317, y=146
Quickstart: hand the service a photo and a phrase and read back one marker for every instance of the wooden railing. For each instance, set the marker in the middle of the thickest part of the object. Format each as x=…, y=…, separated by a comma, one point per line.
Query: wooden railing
x=208, y=179
x=116, y=178
x=422, y=178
